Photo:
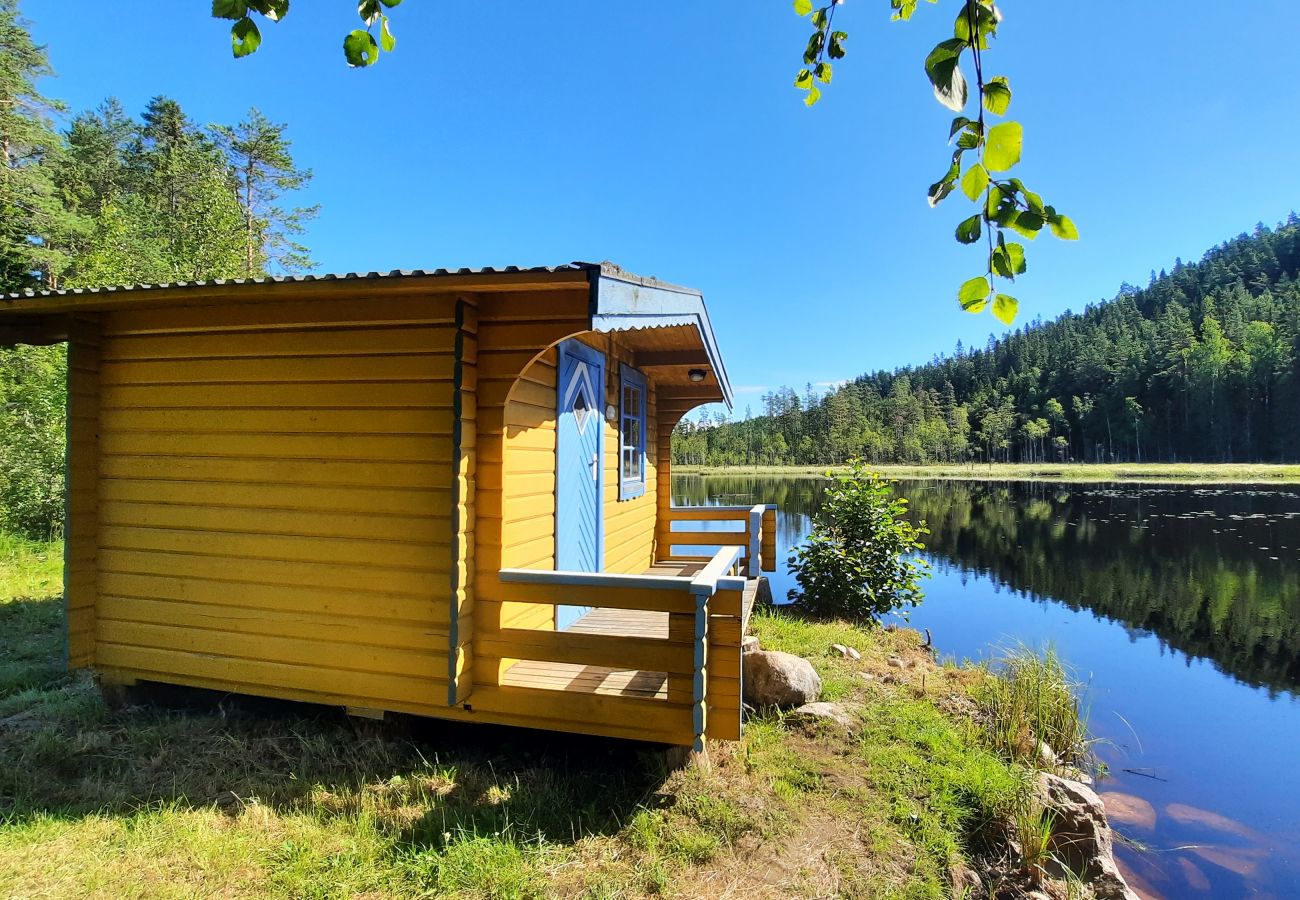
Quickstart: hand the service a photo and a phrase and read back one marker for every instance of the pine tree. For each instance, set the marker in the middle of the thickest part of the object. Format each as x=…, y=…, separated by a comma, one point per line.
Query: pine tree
x=33, y=220
x=186, y=204
x=260, y=159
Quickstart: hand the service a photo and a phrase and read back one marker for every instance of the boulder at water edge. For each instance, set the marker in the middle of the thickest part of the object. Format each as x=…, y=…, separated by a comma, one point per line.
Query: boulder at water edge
x=1082, y=836
x=773, y=678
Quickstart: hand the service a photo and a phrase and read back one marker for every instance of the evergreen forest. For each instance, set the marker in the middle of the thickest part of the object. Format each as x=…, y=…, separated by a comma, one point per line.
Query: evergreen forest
x=1202, y=364
x=102, y=197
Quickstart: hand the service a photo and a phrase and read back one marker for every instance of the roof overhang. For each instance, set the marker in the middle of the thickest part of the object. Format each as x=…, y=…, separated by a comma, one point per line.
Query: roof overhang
x=668, y=324
x=621, y=301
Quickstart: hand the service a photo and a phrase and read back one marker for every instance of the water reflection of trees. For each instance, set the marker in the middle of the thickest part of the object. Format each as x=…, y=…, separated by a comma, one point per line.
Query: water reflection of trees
x=1191, y=566
x=1188, y=565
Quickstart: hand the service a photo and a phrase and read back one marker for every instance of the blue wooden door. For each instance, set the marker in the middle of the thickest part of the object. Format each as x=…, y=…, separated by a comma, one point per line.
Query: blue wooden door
x=579, y=525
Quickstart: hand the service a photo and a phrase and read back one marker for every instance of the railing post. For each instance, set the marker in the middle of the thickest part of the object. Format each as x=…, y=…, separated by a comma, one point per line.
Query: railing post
x=699, y=692
x=703, y=587
x=769, y=539
x=753, y=566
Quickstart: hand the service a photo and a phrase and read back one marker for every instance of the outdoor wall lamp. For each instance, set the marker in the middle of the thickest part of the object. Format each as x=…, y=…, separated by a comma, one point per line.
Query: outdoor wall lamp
x=696, y=375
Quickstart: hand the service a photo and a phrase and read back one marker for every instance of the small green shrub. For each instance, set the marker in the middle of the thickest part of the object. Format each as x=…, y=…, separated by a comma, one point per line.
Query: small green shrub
x=860, y=560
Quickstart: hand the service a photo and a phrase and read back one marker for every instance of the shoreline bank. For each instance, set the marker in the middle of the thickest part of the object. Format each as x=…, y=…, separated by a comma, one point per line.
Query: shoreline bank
x=1137, y=473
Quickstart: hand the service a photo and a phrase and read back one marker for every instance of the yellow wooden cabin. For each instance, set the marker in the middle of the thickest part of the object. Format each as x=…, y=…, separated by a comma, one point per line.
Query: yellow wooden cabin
x=443, y=493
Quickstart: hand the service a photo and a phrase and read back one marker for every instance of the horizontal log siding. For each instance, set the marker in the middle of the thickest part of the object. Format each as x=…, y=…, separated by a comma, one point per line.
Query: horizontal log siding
x=527, y=522
x=276, y=511
x=515, y=488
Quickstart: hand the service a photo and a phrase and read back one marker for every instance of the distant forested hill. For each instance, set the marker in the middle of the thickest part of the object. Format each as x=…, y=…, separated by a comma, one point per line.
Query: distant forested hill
x=1202, y=364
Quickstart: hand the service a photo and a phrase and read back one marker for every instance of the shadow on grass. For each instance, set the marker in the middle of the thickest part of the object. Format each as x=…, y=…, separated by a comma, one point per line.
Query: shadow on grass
x=65, y=754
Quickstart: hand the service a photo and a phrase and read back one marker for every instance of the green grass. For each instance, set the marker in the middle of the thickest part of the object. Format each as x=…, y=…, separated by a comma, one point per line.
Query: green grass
x=30, y=568
x=1210, y=473
x=1033, y=698
x=31, y=614
x=266, y=799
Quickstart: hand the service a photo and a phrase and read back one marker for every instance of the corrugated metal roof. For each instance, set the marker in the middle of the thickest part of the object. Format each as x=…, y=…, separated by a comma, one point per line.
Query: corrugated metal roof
x=277, y=279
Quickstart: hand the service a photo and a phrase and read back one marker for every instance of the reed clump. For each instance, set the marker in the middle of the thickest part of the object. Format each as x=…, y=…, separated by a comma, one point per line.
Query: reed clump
x=1033, y=699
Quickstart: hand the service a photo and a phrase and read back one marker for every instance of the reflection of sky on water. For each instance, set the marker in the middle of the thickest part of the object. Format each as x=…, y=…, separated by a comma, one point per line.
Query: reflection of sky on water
x=1194, y=733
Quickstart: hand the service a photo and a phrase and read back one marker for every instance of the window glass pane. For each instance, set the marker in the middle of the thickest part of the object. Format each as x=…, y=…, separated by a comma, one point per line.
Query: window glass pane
x=632, y=424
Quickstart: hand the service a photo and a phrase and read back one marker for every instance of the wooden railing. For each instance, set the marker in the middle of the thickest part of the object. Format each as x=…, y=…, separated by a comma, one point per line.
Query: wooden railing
x=700, y=653
x=756, y=535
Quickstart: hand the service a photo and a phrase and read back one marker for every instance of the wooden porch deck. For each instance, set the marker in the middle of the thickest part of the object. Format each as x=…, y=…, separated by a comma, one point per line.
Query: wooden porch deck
x=624, y=622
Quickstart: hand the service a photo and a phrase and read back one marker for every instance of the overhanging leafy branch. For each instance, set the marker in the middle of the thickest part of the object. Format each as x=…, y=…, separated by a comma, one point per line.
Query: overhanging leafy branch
x=360, y=47
x=1005, y=202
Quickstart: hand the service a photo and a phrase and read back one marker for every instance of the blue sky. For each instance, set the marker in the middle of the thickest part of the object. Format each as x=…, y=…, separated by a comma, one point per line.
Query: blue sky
x=667, y=137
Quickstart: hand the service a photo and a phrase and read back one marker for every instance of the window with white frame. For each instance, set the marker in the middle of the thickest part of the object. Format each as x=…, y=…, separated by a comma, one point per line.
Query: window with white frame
x=631, y=442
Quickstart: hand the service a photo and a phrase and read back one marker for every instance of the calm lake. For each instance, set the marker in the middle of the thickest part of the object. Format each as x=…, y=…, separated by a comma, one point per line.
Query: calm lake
x=1179, y=606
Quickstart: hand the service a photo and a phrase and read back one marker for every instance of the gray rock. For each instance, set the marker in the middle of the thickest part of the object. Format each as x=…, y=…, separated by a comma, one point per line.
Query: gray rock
x=846, y=652
x=1082, y=837
x=822, y=711
x=749, y=643
x=897, y=662
x=1046, y=755
x=773, y=678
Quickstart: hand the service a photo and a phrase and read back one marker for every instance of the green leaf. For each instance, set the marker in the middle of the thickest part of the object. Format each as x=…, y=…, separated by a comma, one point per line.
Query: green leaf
x=1032, y=200
x=968, y=231
x=998, y=201
x=813, y=96
x=819, y=19
x=1005, y=308
x=814, y=48
x=391, y=3
x=836, y=49
x=958, y=124
x=275, y=10
x=823, y=72
x=1063, y=227
x=975, y=181
x=943, y=68
x=944, y=186
x=986, y=24
x=997, y=96
x=386, y=39
x=973, y=295
x=938, y=191
x=969, y=139
x=1004, y=142
x=1015, y=254
x=368, y=10
x=803, y=7
x=1026, y=223
x=244, y=37
x=360, y=49
x=229, y=9
x=1007, y=260
x=903, y=9
x=998, y=263
x=803, y=80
